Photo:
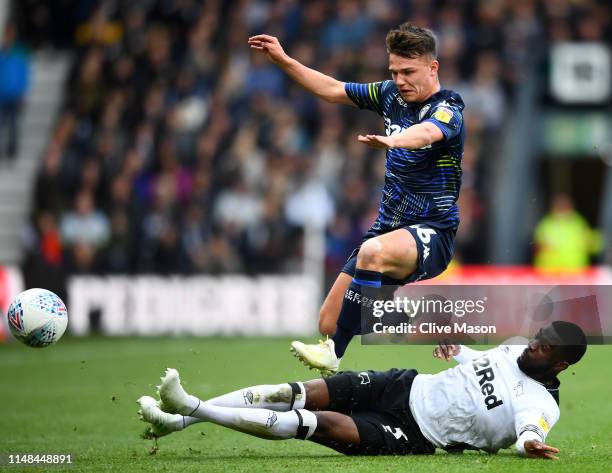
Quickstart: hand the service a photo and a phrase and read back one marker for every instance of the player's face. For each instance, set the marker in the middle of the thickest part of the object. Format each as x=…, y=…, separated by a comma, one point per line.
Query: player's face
x=415, y=78
x=539, y=358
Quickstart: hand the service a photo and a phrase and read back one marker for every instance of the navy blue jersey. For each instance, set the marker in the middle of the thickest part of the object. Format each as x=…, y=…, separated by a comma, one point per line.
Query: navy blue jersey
x=421, y=185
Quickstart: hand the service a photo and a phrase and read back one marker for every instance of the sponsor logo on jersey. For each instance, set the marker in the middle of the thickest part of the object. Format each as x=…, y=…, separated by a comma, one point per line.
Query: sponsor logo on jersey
x=400, y=100
x=358, y=298
x=443, y=114
x=486, y=375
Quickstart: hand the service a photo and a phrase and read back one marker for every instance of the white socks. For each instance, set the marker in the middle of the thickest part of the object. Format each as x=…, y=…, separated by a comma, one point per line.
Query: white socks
x=265, y=423
x=268, y=411
x=278, y=397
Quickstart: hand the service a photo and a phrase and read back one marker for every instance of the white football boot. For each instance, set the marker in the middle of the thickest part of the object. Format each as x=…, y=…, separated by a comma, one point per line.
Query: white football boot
x=161, y=422
x=321, y=356
x=173, y=398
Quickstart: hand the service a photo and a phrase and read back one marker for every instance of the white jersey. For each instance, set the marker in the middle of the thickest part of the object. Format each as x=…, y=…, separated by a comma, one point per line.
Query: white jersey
x=486, y=402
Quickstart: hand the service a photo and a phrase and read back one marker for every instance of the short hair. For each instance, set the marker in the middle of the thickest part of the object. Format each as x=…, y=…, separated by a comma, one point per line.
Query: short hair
x=411, y=41
x=573, y=341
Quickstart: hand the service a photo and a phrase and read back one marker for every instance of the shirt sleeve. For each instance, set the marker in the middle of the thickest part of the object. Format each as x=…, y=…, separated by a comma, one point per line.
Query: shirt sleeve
x=448, y=118
x=367, y=96
x=467, y=354
x=533, y=424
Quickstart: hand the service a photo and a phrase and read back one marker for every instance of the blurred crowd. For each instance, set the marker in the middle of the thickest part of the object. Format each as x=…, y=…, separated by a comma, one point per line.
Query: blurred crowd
x=179, y=150
x=14, y=84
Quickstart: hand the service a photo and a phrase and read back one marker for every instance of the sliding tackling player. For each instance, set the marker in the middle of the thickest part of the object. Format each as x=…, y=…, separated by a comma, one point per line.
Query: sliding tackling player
x=491, y=400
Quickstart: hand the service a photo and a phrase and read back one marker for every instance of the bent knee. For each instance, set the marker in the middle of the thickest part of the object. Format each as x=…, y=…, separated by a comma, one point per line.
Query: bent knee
x=371, y=255
x=389, y=255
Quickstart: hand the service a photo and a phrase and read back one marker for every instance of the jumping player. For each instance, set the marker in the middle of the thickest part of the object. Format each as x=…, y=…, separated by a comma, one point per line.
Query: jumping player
x=412, y=238
x=492, y=399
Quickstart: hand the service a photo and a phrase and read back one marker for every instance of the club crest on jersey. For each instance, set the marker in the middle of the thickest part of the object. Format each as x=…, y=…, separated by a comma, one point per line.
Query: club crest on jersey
x=424, y=111
x=519, y=389
x=485, y=375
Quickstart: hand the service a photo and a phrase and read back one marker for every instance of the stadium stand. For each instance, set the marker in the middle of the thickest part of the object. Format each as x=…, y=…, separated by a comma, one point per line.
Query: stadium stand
x=177, y=151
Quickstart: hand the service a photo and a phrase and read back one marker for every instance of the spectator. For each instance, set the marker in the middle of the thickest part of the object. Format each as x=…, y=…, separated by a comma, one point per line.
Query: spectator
x=44, y=264
x=85, y=225
x=119, y=253
x=48, y=245
x=212, y=161
x=564, y=239
x=14, y=83
x=48, y=192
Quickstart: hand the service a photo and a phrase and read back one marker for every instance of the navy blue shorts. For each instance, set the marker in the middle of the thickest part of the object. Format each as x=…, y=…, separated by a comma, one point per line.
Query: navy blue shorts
x=435, y=248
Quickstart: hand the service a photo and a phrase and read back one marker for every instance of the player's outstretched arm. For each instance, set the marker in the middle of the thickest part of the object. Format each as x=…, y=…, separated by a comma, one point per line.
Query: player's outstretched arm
x=537, y=449
x=535, y=415
x=322, y=86
x=415, y=137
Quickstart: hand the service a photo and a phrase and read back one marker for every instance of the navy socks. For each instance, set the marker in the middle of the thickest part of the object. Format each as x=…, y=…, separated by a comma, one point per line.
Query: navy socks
x=358, y=297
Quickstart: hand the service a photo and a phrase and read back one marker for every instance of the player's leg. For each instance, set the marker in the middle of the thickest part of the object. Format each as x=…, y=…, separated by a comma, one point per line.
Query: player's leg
x=336, y=431
x=265, y=423
x=332, y=429
x=373, y=400
x=330, y=310
x=237, y=410
x=312, y=395
x=322, y=356
x=349, y=421
x=394, y=255
x=283, y=397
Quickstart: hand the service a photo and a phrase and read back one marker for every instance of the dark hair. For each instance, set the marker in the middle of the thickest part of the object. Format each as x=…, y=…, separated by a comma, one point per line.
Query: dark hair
x=411, y=41
x=573, y=341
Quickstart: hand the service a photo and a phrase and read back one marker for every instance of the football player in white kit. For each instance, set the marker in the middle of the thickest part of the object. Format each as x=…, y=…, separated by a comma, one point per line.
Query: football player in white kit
x=490, y=400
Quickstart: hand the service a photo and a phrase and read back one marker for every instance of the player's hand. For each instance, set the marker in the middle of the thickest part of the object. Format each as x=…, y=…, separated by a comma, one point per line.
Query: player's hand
x=376, y=141
x=270, y=46
x=446, y=351
x=537, y=449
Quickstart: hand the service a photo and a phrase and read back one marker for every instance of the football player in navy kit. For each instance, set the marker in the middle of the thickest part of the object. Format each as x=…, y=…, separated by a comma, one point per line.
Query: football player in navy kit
x=490, y=400
x=412, y=238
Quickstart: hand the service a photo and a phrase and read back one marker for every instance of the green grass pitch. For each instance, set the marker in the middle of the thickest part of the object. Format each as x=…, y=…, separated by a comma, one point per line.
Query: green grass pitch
x=79, y=397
